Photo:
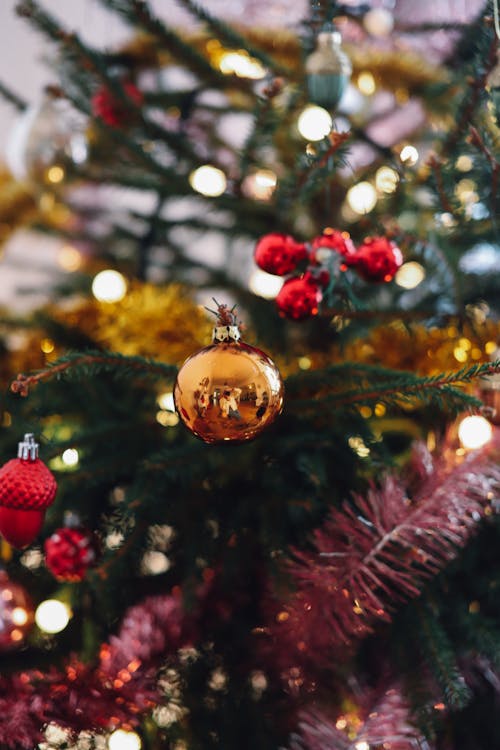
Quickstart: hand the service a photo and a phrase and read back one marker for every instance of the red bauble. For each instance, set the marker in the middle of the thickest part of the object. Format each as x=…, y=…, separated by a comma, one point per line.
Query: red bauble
x=279, y=253
x=27, y=488
x=16, y=613
x=69, y=553
x=113, y=111
x=332, y=239
x=377, y=259
x=299, y=297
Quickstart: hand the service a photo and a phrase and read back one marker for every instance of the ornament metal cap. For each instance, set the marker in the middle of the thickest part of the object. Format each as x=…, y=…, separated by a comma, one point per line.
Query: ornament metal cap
x=27, y=449
x=226, y=327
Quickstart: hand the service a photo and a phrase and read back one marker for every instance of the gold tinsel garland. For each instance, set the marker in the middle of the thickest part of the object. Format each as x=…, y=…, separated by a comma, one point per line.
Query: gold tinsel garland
x=158, y=322
x=413, y=347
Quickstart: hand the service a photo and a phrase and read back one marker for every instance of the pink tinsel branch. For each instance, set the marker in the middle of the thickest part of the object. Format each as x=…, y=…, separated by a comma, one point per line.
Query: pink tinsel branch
x=367, y=557
x=387, y=725
x=121, y=687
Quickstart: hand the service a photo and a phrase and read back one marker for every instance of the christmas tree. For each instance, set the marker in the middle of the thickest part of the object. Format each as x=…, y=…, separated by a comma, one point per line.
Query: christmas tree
x=274, y=524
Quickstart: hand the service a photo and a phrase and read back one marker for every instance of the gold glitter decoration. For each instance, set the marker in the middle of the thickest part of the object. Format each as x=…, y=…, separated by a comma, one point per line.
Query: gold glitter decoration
x=17, y=206
x=421, y=350
x=161, y=322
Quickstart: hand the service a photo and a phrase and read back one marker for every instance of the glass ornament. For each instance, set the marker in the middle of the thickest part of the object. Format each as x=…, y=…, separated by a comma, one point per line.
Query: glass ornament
x=328, y=69
x=48, y=140
x=228, y=392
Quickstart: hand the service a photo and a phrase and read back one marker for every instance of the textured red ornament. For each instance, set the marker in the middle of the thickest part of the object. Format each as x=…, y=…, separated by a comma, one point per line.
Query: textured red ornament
x=279, y=253
x=69, y=553
x=113, y=111
x=299, y=297
x=27, y=488
x=332, y=239
x=377, y=259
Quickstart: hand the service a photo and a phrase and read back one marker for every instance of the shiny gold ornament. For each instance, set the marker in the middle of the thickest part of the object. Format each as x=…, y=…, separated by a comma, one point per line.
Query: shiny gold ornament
x=229, y=391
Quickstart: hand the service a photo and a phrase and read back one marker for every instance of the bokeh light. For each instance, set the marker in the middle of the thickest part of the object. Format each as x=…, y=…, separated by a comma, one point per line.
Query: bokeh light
x=109, y=286
x=314, y=123
x=52, y=616
x=474, y=432
x=208, y=181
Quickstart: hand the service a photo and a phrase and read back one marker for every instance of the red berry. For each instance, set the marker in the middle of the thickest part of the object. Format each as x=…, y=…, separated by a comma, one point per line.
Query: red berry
x=299, y=298
x=69, y=552
x=279, y=253
x=332, y=239
x=377, y=259
x=111, y=110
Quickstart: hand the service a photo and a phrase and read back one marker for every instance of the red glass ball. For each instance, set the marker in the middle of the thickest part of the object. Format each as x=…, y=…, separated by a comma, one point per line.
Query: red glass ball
x=299, y=298
x=332, y=239
x=279, y=253
x=69, y=553
x=110, y=109
x=377, y=259
x=16, y=613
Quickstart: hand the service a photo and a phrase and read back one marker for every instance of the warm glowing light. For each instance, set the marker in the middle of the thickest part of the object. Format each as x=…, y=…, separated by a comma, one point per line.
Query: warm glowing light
x=363, y=745
x=358, y=446
x=314, y=123
x=166, y=401
x=109, y=286
x=305, y=363
x=242, y=65
x=378, y=22
x=208, y=181
x=47, y=346
x=474, y=432
x=69, y=258
x=460, y=354
x=366, y=83
x=122, y=740
x=55, y=175
x=167, y=418
x=386, y=179
x=155, y=562
x=70, y=457
x=362, y=197
x=409, y=155
x=464, y=163
x=264, y=284
x=260, y=185
x=465, y=191
x=410, y=275
x=19, y=616
x=52, y=616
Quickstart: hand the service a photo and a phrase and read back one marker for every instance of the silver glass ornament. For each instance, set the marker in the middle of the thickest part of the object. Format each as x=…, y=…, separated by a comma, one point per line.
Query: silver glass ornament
x=48, y=134
x=328, y=70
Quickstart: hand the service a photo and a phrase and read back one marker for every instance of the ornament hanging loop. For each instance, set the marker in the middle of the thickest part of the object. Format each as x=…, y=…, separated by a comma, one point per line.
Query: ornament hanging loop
x=27, y=449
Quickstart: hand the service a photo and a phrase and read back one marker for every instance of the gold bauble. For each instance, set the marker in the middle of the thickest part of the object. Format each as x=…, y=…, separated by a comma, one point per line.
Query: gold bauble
x=228, y=392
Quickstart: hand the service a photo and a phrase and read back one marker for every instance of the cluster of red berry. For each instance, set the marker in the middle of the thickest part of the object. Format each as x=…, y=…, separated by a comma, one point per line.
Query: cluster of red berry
x=377, y=259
